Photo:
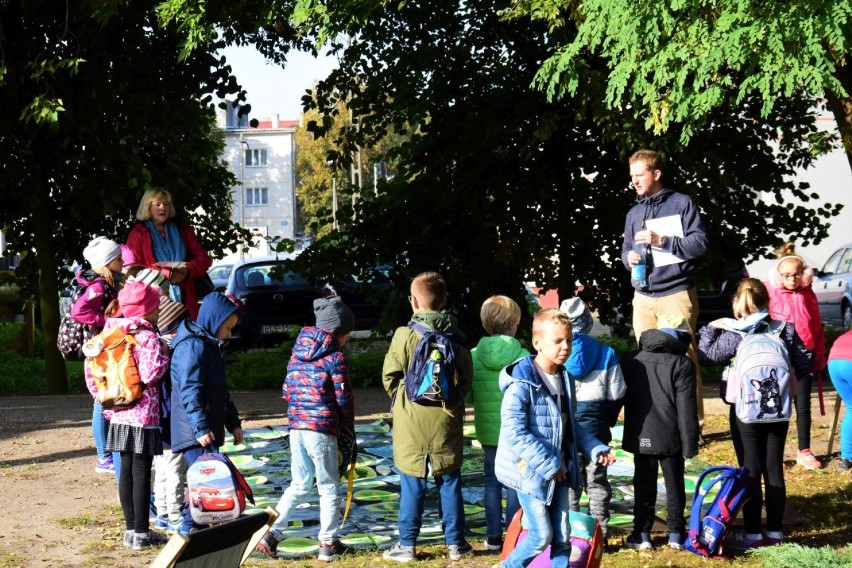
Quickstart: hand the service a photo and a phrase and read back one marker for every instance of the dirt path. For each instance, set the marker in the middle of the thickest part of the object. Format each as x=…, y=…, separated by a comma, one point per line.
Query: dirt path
x=58, y=512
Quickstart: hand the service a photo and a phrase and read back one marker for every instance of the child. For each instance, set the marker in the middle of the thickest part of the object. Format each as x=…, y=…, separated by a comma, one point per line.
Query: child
x=169, y=468
x=660, y=426
x=319, y=398
x=426, y=439
x=840, y=369
x=500, y=317
x=92, y=308
x=539, y=441
x=760, y=446
x=130, y=265
x=600, y=396
x=134, y=432
x=792, y=299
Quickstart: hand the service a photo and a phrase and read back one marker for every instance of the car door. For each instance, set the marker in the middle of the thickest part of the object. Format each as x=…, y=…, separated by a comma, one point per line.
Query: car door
x=831, y=284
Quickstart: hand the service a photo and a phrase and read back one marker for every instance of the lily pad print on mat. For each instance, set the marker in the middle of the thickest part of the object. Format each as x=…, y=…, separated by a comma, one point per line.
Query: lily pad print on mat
x=264, y=434
x=255, y=480
x=369, y=483
x=375, y=495
x=378, y=427
x=294, y=547
x=621, y=521
x=384, y=506
x=231, y=448
x=365, y=540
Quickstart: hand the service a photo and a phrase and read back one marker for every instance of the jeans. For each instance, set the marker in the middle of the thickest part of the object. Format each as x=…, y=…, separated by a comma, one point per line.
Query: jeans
x=100, y=429
x=314, y=454
x=763, y=447
x=548, y=525
x=494, y=498
x=645, y=487
x=451, y=507
x=840, y=372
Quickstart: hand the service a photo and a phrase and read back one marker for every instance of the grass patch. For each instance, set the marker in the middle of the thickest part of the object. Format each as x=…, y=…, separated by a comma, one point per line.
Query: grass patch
x=83, y=521
x=791, y=555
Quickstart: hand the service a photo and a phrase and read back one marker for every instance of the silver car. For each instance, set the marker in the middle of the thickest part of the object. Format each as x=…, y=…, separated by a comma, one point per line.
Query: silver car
x=833, y=288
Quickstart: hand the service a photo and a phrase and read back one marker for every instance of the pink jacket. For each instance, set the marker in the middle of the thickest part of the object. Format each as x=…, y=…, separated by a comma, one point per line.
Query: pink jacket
x=800, y=308
x=153, y=363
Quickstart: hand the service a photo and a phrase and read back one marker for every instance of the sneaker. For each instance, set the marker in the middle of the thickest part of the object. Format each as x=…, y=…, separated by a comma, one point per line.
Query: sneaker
x=676, y=541
x=148, y=539
x=105, y=466
x=128, y=539
x=743, y=541
x=494, y=543
x=178, y=526
x=843, y=465
x=328, y=552
x=807, y=460
x=400, y=553
x=639, y=541
x=268, y=545
x=459, y=550
x=161, y=522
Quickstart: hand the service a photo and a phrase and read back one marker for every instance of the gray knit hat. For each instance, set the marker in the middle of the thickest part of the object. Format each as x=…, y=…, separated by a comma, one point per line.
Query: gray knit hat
x=334, y=316
x=578, y=312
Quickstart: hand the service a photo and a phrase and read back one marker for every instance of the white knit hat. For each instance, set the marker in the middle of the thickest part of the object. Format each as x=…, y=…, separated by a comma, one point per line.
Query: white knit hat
x=101, y=251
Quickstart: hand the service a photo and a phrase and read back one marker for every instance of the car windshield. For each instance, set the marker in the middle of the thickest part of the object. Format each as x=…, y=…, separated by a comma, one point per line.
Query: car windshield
x=271, y=275
x=220, y=272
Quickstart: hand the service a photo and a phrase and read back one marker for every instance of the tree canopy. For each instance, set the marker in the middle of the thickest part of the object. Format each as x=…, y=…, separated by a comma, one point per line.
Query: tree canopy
x=95, y=108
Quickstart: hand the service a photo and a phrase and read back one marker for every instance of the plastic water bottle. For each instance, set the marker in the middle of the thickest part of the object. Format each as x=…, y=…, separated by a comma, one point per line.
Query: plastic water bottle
x=639, y=272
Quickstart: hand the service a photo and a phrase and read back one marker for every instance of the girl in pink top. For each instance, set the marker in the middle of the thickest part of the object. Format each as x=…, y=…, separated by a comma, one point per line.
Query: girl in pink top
x=792, y=299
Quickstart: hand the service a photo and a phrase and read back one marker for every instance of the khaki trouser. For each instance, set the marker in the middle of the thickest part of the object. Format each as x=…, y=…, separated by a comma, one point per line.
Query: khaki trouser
x=648, y=309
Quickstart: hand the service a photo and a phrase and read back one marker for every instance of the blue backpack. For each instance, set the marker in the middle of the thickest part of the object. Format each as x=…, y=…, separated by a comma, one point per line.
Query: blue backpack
x=707, y=528
x=432, y=378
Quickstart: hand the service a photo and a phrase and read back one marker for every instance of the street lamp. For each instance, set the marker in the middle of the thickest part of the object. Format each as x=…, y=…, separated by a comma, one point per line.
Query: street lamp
x=243, y=185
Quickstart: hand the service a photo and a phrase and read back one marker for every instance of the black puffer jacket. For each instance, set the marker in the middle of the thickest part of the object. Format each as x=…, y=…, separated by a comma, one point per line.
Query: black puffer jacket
x=660, y=415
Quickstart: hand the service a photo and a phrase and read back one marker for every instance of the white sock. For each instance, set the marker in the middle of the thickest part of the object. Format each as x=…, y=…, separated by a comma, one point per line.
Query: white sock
x=775, y=534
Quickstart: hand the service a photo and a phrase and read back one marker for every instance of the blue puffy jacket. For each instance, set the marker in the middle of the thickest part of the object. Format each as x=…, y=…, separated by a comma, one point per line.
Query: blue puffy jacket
x=533, y=442
x=599, y=383
x=201, y=402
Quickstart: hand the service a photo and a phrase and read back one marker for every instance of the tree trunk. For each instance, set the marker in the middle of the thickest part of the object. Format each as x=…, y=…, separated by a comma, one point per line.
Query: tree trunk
x=841, y=107
x=48, y=291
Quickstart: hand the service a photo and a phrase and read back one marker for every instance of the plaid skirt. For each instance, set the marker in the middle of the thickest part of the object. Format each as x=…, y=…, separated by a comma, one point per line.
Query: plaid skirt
x=134, y=440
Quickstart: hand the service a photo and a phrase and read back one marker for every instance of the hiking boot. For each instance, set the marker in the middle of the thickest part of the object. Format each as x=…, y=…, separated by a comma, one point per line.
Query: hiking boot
x=807, y=460
x=148, y=539
x=639, y=541
x=328, y=552
x=105, y=466
x=843, y=465
x=400, y=553
x=494, y=543
x=268, y=545
x=459, y=550
x=676, y=541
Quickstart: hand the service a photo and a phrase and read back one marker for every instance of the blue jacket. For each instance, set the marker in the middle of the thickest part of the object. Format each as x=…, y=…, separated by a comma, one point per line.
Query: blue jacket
x=317, y=388
x=534, y=443
x=201, y=402
x=673, y=278
x=599, y=383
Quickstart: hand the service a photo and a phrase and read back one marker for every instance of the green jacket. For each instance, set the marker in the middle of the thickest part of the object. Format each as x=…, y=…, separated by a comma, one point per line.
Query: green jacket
x=423, y=434
x=489, y=358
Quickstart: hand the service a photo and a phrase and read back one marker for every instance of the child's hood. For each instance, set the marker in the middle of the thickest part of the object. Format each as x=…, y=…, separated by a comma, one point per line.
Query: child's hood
x=86, y=278
x=656, y=341
x=314, y=343
x=497, y=351
x=586, y=355
x=215, y=309
x=522, y=371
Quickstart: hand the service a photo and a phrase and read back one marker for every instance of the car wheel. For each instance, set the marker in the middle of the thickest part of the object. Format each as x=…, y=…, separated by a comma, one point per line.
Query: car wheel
x=847, y=315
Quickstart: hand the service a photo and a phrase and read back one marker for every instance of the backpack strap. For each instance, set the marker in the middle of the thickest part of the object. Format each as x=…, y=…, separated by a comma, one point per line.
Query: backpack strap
x=696, y=512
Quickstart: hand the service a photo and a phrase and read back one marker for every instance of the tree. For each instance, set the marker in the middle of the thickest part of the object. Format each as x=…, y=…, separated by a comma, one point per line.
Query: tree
x=681, y=61
x=94, y=109
x=497, y=185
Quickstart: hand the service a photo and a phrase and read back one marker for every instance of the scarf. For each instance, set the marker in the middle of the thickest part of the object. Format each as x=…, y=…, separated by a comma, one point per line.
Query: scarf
x=746, y=324
x=168, y=249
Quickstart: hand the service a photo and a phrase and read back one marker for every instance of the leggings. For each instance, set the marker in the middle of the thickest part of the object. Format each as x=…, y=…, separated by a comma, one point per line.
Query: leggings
x=803, y=411
x=841, y=377
x=763, y=455
x=134, y=490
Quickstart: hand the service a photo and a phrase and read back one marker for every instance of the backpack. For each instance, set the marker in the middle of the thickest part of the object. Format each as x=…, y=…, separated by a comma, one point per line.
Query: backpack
x=432, y=378
x=216, y=491
x=72, y=335
x=586, y=541
x=111, y=364
x=707, y=528
x=760, y=379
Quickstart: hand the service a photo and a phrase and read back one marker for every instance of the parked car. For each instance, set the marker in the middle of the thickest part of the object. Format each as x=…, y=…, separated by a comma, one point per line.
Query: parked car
x=219, y=274
x=277, y=301
x=833, y=288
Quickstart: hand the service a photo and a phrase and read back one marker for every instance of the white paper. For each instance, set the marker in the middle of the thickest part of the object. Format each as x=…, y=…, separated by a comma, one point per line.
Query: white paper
x=669, y=226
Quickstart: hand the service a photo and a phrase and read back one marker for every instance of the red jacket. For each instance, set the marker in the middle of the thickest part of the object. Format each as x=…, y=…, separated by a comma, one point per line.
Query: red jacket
x=800, y=308
x=197, y=260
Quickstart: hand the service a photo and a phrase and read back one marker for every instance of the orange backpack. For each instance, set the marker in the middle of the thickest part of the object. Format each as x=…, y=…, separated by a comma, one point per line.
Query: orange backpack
x=111, y=364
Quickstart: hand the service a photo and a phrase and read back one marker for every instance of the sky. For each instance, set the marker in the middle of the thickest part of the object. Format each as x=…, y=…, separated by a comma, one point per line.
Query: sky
x=271, y=89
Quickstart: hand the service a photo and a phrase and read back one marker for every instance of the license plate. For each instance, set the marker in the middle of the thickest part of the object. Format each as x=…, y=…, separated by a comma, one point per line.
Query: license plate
x=280, y=328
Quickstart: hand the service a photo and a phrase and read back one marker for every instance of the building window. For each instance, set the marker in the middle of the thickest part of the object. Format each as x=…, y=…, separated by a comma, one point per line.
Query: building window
x=257, y=196
x=255, y=157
